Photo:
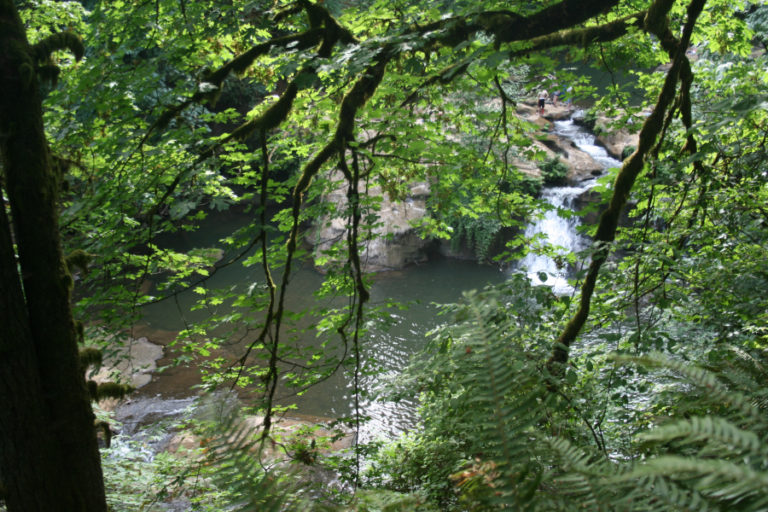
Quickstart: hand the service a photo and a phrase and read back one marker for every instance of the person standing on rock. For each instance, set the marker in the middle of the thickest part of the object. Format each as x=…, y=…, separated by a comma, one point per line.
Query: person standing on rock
x=543, y=95
x=569, y=97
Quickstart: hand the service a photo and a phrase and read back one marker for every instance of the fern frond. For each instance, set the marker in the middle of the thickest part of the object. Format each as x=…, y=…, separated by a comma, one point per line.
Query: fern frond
x=502, y=398
x=576, y=459
x=233, y=451
x=716, y=391
x=749, y=361
x=655, y=493
x=705, y=428
x=716, y=480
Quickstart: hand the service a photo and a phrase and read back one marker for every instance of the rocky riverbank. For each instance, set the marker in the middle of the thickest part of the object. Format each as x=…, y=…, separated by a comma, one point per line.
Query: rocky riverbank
x=397, y=240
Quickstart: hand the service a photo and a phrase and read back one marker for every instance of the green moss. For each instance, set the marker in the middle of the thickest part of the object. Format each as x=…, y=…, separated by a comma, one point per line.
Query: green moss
x=78, y=260
x=89, y=356
x=108, y=390
x=59, y=41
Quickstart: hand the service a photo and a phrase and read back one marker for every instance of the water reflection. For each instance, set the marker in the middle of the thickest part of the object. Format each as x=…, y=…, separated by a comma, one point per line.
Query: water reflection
x=390, y=341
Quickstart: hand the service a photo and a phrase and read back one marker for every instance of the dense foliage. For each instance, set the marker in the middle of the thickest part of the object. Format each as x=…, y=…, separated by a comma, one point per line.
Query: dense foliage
x=644, y=389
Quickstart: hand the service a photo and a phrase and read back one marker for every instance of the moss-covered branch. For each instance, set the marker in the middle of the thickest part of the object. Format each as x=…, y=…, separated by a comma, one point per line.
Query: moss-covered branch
x=606, y=230
x=509, y=26
x=237, y=65
x=583, y=37
x=324, y=31
x=59, y=41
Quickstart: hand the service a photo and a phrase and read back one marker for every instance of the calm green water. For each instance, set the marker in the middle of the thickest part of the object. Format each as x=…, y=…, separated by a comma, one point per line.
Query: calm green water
x=439, y=281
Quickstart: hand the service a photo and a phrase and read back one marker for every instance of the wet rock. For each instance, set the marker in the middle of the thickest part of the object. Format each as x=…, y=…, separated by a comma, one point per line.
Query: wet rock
x=557, y=112
x=138, y=412
x=552, y=112
x=132, y=363
x=589, y=200
x=613, y=139
x=526, y=109
x=302, y=439
x=581, y=165
x=529, y=109
x=615, y=143
x=557, y=144
x=592, y=205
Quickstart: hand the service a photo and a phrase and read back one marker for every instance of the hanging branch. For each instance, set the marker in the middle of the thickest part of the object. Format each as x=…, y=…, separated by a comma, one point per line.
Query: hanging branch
x=656, y=23
x=264, y=197
x=360, y=93
x=272, y=372
x=361, y=292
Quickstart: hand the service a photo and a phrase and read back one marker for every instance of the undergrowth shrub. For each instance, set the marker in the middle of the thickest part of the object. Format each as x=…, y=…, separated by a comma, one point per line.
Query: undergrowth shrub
x=554, y=171
x=498, y=432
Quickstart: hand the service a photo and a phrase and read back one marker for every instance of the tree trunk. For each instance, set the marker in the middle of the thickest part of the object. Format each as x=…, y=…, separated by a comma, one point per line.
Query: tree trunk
x=49, y=458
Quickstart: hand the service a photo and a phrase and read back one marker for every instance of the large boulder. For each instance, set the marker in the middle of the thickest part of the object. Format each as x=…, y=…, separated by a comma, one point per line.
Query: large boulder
x=591, y=200
x=581, y=165
x=299, y=438
x=529, y=109
x=396, y=243
x=616, y=142
x=132, y=362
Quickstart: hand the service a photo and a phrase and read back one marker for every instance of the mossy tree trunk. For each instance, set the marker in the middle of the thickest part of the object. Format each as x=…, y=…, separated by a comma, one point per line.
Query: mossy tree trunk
x=49, y=458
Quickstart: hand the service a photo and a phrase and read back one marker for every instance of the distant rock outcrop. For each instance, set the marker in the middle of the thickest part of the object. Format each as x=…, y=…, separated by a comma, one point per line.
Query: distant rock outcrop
x=397, y=242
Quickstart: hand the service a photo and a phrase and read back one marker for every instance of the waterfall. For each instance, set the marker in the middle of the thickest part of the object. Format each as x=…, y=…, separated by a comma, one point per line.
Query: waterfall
x=561, y=231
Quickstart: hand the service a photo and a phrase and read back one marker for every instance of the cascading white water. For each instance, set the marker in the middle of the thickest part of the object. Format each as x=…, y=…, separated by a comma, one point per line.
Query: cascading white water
x=585, y=141
x=560, y=231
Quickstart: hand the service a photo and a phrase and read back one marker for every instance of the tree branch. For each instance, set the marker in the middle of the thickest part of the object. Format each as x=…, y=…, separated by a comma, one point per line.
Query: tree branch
x=606, y=231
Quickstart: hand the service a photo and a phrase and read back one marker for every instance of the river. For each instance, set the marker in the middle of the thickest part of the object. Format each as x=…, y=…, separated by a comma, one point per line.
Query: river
x=558, y=230
x=438, y=281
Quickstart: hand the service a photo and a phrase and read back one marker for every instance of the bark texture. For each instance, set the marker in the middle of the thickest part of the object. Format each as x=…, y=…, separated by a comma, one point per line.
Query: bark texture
x=49, y=457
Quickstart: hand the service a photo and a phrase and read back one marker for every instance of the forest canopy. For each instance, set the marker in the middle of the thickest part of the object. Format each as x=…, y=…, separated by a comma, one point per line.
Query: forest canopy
x=295, y=132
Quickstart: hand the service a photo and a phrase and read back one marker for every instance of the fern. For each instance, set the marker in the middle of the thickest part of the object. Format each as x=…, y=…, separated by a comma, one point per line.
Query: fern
x=716, y=391
x=523, y=446
x=716, y=460
x=484, y=391
x=707, y=429
x=655, y=493
x=233, y=453
x=580, y=477
x=719, y=481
